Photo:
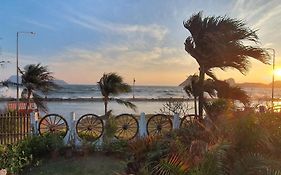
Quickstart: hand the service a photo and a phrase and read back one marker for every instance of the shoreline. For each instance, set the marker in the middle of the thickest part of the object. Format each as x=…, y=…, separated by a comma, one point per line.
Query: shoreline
x=96, y=99
x=99, y=99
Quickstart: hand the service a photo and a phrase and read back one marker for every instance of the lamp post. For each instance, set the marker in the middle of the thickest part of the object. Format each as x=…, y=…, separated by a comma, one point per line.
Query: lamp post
x=273, y=69
x=134, y=81
x=18, y=33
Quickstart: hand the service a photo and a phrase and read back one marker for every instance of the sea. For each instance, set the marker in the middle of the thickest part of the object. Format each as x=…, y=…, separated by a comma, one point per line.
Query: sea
x=83, y=99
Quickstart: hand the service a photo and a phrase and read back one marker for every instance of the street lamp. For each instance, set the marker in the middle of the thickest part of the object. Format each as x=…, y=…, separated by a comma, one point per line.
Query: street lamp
x=273, y=69
x=18, y=33
x=134, y=82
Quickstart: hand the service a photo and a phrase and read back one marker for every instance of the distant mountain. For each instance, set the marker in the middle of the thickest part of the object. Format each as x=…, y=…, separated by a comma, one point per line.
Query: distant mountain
x=61, y=82
x=259, y=85
x=277, y=84
x=13, y=79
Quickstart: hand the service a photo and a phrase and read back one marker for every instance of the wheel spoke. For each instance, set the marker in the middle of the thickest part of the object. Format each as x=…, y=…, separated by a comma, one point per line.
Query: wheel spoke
x=58, y=121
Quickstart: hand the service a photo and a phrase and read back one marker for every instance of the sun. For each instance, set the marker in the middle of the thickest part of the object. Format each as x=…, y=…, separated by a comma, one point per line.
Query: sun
x=278, y=72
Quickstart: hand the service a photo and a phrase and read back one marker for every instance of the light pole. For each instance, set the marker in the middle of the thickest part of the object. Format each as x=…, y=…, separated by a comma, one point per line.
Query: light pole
x=134, y=82
x=18, y=33
x=273, y=69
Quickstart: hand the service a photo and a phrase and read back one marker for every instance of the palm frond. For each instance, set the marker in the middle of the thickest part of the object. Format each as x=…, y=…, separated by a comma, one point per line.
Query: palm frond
x=216, y=161
x=37, y=77
x=39, y=101
x=218, y=42
x=126, y=103
x=173, y=164
x=254, y=163
x=112, y=84
x=224, y=90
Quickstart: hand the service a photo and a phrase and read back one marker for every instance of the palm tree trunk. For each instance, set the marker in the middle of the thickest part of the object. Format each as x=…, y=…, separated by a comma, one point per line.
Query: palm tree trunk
x=28, y=101
x=201, y=91
x=104, y=137
x=105, y=107
x=195, y=106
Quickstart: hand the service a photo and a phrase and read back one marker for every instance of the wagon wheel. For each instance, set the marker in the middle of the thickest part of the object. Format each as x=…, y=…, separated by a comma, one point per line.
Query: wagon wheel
x=158, y=124
x=127, y=126
x=187, y=120
x=89, y=127
x=53, y=124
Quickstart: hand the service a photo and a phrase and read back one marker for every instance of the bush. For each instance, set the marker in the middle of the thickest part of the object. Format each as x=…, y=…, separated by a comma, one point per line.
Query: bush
x=119, y=147
x=16, y=157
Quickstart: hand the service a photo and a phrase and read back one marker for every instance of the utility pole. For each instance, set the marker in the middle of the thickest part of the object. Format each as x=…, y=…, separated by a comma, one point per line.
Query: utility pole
x=17, y=64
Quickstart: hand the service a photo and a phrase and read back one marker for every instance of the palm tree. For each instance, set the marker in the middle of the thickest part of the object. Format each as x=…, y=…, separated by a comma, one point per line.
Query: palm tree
x=112, y=84
x=218, y=42
x=37, y=78
x=225, y=91
x=214, y=88
x=192, y=88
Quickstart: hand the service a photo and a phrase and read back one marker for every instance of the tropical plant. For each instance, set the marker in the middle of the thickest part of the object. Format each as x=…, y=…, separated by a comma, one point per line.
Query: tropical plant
x=192, y=88
x=225, y=91
x=214, y=88
x=219, y=42
x=37, y=79
x=112, y=84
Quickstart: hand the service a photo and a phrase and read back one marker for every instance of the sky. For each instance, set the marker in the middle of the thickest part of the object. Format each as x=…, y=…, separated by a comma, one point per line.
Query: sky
x=141, y=39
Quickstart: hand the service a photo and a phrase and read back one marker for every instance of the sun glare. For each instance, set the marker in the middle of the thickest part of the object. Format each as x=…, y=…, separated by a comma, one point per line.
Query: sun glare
x=278, y=72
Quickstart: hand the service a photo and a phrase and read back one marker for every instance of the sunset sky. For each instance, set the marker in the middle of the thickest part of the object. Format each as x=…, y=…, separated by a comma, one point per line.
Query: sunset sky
x=141, y=39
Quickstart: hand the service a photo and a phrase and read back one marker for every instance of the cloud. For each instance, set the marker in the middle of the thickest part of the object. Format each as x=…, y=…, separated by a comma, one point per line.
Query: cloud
x=154, y=66
x=152, y=30
x=42, y=25
x=263, y=15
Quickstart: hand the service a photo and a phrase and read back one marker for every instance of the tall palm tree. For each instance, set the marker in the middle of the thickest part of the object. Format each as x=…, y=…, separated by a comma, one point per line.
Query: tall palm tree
x=219, y=42
x=112, y=84
x=37, y=78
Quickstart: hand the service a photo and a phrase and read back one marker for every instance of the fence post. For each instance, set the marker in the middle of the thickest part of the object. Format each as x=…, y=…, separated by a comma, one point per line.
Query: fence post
x=34, y=123
x=142, y=125
x=77, y=141
x=176, y=121
x=68, y=139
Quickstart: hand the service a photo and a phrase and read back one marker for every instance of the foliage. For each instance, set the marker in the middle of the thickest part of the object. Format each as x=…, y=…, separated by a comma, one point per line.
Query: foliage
x=237, y=143
x=14, y=159
x=112, y=84
x=145, y=153
x=110, y=129
x=97, y=164
x=271, y=123
x=218, y=108
x=119, y=147
x=215, y=88
x=27, y=152
x=173, y=164
x=37, y=78
x=172, y=107
x=225, y=91
x=219, y=42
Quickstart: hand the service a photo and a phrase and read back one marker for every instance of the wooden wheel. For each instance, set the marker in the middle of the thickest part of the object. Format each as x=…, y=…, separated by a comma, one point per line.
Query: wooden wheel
x=89, y=127
x=127, y=126
x=158, y=125
x=186, y=120
x=53, y=124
